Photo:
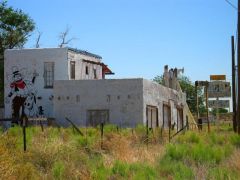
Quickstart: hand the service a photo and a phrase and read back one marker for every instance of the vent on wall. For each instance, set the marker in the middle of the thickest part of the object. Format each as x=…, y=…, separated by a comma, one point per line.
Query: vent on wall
x=77, y=98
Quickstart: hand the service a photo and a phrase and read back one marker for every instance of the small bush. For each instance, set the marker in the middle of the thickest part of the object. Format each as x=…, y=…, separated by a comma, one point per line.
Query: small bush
x=141, y=129
x=109, y=128
x=206, y=154
x=120, y=168
x=221, y=173
x=58, y=170
x=235, y=140
x=189, y=137
x=176, y=152
x=214, y=139
x=174, y=169
x=142, y=171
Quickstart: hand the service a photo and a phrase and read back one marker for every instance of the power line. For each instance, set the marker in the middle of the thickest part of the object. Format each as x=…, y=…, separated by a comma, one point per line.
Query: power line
x=231, y=4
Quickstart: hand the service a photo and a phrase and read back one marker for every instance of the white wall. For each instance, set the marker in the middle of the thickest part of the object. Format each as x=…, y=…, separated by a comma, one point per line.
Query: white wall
x=28, y=62
x=122, y=97
x=80, y=66
x=155, y=95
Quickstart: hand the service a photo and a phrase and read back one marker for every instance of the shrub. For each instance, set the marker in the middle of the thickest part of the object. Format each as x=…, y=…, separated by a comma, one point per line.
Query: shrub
x=235, y=140
x=221, y=173
x=216, y=139
x=101, y=173
x=58, y=170
x=189, y=137
x=177, y=151
x=108, y=128
x=142, y=171
x=175, y=169
x=120, y=168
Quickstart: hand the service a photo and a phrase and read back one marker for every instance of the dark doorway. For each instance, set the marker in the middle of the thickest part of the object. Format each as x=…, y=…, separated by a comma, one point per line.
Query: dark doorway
x=152, y=116
x=166, y=116
x=96, y=117
x=179, y=118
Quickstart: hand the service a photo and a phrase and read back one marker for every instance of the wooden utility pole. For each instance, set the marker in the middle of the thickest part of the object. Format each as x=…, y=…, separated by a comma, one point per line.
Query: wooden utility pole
x=206, y=91
x=233, y=87
x=197, y=106
x=238, y=65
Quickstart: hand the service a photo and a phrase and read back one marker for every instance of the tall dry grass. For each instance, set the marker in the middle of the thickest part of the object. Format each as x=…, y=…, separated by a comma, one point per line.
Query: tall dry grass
x=121, y=154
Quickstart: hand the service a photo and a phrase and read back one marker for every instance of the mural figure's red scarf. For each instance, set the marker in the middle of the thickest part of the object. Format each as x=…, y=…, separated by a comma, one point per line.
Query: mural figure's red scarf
x=18, y=84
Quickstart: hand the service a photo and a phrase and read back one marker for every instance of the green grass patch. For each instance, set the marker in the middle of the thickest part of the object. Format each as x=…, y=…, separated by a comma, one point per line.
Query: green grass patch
x=235, y=140
x=221, y=173
x=58, y=170
x=170, y=168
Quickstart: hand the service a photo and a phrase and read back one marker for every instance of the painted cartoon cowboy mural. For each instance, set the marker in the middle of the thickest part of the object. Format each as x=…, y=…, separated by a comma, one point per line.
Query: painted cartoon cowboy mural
x=23, y=94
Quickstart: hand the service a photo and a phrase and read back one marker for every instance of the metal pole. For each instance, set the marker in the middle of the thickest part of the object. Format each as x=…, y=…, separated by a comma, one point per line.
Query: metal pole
x=233, y=87
x=238, y=59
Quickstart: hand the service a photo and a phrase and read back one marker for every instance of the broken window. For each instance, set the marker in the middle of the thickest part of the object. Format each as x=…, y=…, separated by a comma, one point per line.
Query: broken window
x=48, y=74
x=96, y=117
x=166, y=116
x=95, y=73
x=86, y=70
x=152, y=116
x=179, y=118
x=72, y=69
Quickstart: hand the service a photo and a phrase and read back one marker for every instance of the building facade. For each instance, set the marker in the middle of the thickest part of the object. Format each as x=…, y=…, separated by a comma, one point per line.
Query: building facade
x=124, y=102
x=30, y=74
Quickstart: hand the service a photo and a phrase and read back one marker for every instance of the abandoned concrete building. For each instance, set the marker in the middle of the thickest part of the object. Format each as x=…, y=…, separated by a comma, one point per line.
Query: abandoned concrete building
x=30, y=74
x=66, y=82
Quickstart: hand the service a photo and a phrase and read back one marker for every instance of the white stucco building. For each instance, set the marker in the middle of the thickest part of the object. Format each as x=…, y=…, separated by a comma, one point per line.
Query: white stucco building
x=30, y=74
x=125, y=102
x=66, y=82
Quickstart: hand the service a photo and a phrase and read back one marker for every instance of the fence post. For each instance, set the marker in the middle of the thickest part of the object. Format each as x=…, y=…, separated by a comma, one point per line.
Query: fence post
x=147, y=133
x=41, y=125
x=24, y=134
x=101, y=134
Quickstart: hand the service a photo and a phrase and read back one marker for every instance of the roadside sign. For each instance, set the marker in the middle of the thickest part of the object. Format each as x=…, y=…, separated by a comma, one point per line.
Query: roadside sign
x=219, y=89
x=201, y=83
x=218, y=77
x=218, y=103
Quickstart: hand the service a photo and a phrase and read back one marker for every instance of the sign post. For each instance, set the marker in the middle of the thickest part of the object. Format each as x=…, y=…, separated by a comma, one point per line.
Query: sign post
x=218, y=88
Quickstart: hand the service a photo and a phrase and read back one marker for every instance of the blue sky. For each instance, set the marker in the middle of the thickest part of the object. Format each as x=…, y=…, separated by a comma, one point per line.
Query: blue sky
x=136, y=38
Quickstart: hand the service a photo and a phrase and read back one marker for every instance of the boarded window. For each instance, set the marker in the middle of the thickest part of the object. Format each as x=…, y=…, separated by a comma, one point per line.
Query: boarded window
x=72, y=69
x=152, y=116
x=48, y=74
x=166, y=116
x=86, y=70
x=96, y=117
x=179, y=118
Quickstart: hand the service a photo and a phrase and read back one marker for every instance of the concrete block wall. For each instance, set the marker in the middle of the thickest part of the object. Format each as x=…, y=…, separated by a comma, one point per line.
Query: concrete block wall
x=122, y=97
x=156, y=95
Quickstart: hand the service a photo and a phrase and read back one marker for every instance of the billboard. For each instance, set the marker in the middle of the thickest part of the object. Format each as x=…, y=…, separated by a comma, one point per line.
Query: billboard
x=219, y=89
x=217, y=77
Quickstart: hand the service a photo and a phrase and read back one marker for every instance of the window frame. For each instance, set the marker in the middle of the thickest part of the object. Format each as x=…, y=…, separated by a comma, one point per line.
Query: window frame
x=72, y=70
x=86, y=70
x=48, y=74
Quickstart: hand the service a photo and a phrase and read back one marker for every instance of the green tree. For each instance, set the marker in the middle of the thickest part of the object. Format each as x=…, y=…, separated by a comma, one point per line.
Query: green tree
x=220, y=110
x=188, y=87
x=15, y=28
